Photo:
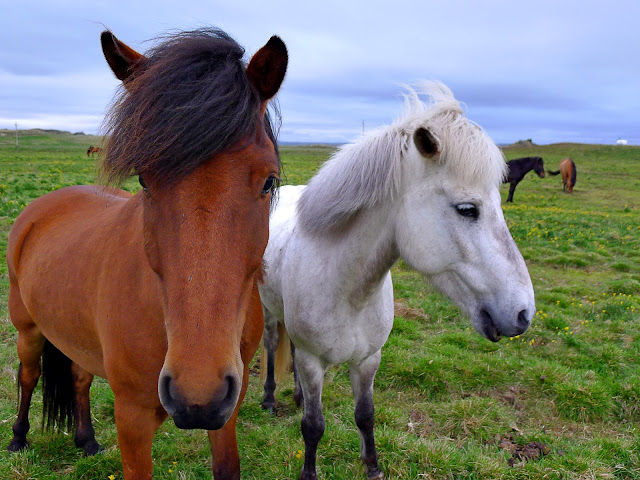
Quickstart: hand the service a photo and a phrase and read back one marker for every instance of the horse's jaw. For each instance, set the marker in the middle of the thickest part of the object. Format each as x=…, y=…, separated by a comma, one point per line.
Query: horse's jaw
x=492, y=317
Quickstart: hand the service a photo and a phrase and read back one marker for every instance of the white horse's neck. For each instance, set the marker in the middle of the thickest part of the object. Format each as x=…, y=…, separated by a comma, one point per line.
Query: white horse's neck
x=364, y=252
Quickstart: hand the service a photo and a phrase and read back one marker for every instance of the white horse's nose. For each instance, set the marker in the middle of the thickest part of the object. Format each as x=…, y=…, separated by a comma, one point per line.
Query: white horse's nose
x=494, y=325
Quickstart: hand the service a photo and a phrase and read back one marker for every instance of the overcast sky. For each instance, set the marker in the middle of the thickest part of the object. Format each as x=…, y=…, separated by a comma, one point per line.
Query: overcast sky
x=549, y=70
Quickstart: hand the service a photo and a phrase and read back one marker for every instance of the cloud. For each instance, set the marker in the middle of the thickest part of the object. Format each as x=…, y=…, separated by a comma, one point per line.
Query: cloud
x=555, y=70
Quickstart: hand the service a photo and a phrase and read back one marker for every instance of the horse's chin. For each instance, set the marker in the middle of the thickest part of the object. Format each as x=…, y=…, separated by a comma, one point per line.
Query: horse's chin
x=486, y=326
x=190, y=422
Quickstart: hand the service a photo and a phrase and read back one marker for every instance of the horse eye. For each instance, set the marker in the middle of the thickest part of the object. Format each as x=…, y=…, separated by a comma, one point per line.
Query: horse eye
x=142, y=184
x=269, y=185
x=468, y=210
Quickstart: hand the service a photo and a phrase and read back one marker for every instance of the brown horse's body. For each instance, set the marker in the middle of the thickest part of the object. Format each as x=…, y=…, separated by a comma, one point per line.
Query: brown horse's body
x=102, y=317
x=157, y=291
x=94, y=213
x=568, y=170
x=91, y=150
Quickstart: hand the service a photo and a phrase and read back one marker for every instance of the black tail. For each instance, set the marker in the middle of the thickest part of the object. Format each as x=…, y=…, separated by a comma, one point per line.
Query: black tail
x=553, y=173
x=57, y=389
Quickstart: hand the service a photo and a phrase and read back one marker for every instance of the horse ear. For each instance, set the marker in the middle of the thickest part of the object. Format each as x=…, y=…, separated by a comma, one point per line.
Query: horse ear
x=122, y=59
x=267, y=68
x=425, y=142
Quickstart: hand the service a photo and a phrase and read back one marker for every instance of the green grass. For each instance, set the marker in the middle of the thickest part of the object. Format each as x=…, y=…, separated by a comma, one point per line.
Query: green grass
x=443, y=393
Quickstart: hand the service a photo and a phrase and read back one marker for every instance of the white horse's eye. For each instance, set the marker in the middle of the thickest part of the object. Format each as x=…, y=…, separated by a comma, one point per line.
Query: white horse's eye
x=468, y=210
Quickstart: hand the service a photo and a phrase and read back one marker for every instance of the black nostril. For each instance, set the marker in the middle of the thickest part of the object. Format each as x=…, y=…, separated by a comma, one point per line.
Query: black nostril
x=489, y=327
x=164, y=390
x=232, y=389
x=523, y=321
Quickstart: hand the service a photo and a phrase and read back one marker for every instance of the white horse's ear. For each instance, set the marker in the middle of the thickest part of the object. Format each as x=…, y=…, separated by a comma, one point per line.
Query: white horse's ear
x=425, y=142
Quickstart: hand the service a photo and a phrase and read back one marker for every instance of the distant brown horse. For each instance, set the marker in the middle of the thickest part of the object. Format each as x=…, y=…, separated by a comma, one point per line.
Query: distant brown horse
x=155, y=291
x=568, y=171
x=93, y=150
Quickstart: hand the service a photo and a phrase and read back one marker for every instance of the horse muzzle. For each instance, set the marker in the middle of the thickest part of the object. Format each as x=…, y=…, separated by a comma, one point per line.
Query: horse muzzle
x=209, y=416
x=494, y=327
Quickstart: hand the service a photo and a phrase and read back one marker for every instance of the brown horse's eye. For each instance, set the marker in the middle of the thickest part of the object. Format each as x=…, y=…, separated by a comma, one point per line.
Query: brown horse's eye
x=142, y=184
x=270, y=185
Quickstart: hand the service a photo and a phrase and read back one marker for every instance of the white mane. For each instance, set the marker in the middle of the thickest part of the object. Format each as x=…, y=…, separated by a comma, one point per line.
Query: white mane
x=364, y=173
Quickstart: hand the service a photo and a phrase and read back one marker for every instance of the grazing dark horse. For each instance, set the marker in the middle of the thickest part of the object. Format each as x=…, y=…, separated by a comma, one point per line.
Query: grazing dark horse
x=157, y=291
x=518, y=168
x=568, y=170
x=93, y=150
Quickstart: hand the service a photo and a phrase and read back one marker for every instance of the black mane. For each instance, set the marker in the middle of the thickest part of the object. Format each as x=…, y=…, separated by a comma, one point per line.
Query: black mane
x=189, y=100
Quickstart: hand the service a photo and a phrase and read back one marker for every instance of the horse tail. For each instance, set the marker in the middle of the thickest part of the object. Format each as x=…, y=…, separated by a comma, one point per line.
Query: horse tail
x=58, y=398
x=283, y=357
x=553, y=173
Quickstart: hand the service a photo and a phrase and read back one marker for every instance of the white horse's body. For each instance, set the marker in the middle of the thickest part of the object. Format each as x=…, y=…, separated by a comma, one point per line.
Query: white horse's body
x=425, y=189
x=343, y=324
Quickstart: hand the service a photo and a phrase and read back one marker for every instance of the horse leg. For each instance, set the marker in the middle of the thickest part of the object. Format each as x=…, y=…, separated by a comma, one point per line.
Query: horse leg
x=30, y=346
x=362, y=376
x=225, y=462
x=311, y=374
x=27, y=380
x=297, y=392
x=85, y=434
x=136, y=426
x=271, y=339
x=512, y=188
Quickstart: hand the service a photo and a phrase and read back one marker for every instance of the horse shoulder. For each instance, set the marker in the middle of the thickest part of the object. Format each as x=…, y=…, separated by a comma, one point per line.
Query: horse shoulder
x=41, y=213
x=282, y=227
x=377, y=314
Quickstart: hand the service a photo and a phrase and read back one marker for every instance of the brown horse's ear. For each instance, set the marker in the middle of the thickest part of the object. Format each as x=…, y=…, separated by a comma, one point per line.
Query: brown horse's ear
x=267, y=68
x=425, y=142
x=122, y=59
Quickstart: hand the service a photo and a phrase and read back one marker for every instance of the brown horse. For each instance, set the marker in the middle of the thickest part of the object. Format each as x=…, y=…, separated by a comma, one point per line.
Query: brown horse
x=155, y=291
x=568, y=170
x=93, y=150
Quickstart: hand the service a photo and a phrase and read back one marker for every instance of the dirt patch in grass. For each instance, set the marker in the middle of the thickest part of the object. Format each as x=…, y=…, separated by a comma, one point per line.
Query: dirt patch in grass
x=419, y=424
x=400, y=309
x=521, y=453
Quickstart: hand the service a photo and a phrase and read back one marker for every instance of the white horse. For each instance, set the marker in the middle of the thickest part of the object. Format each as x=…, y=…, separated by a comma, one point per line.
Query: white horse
x=425, y=189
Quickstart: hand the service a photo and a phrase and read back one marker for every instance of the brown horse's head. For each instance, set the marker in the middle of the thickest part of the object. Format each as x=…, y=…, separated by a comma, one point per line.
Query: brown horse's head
x=192, y=124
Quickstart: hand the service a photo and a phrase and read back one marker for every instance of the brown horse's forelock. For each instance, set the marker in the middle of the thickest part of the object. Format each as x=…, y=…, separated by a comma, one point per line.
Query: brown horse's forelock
x=189, y=100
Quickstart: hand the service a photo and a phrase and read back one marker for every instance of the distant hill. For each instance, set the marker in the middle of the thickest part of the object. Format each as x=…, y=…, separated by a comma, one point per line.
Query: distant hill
x=522, y=144
x=37, y=131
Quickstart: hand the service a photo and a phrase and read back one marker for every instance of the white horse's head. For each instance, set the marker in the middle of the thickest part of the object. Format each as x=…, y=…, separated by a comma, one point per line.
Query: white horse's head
x=450, y=225
x=433, y=177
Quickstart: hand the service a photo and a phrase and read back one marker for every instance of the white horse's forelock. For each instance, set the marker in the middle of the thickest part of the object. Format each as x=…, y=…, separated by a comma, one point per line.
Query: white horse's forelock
x=368, y=171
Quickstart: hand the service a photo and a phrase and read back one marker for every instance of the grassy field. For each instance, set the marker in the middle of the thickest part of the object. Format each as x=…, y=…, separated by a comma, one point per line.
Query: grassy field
x=449, y=404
